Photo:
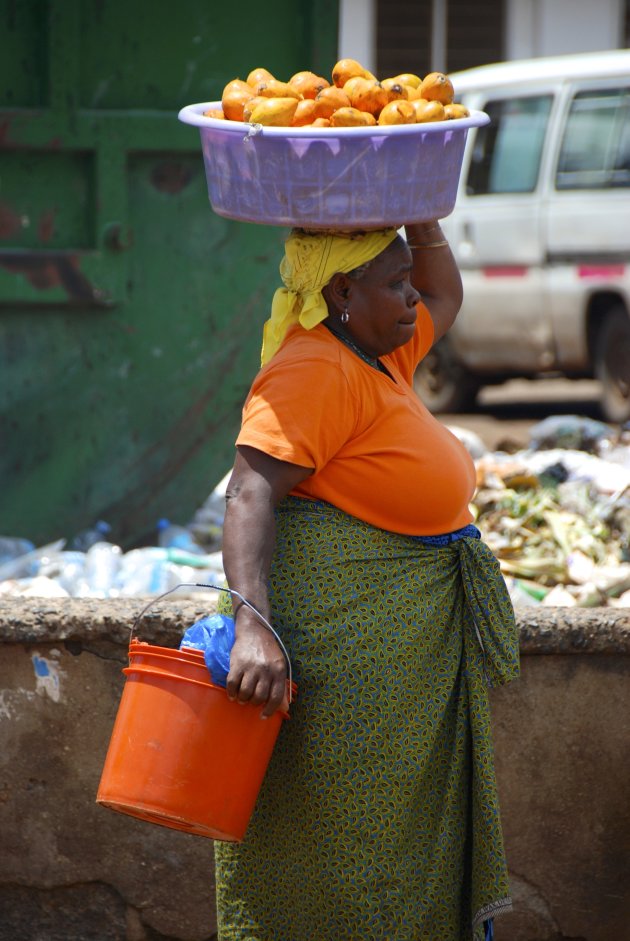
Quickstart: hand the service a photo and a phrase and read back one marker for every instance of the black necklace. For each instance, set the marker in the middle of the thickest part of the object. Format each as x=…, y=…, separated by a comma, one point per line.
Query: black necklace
x=370, y=360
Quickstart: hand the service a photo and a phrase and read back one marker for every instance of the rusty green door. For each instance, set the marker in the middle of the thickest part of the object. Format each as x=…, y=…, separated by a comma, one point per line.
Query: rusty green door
x=130, y=314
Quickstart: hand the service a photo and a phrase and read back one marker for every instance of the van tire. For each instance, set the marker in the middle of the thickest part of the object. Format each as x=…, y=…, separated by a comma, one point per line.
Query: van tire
x=443, y=383
x=612, y=365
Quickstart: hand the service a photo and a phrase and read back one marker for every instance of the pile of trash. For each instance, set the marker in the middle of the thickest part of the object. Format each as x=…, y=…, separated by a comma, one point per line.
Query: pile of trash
x=89, y=566
x=556, y=514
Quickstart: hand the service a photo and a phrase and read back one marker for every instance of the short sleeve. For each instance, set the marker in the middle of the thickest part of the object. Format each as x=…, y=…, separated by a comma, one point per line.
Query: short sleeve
x=299, y=411
x=408, y=356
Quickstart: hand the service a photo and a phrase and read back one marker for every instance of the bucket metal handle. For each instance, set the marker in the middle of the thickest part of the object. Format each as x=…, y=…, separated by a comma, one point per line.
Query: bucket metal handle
x=230, y=591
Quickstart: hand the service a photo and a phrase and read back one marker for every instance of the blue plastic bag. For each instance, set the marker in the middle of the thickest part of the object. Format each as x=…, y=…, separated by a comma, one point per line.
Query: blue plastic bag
x=215, y=637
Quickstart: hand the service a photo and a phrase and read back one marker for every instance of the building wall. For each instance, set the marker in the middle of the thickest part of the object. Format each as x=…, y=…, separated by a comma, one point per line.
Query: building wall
x=392, y=36
x=554, y=27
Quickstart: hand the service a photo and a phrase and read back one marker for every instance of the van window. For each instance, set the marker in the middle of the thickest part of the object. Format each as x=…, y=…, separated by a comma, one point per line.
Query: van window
x=595, y=150
x=506, y=153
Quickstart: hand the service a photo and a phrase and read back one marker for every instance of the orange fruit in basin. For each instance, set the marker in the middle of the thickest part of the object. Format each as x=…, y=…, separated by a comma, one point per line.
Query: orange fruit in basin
x=308, y=84
x=234, y=96
x=351, y=117
x=256, y=76
x=436, y=86
x=346, y=69
x=272, y=88
x=427, y=110
x=454, y=111
x=366, y=95
x=331, y=99
x=274, y=112
x=398, y=112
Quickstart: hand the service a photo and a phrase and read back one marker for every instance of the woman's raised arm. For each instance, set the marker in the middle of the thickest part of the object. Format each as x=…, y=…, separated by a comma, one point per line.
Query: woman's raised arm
x=258, y=482
x=435, y=274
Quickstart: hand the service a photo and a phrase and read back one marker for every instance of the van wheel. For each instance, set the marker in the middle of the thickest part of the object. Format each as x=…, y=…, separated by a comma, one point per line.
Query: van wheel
x=612, y=365
x=443, y=383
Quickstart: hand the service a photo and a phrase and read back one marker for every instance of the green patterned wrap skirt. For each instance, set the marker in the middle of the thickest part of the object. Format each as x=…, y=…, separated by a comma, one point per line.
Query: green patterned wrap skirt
x=378, y=819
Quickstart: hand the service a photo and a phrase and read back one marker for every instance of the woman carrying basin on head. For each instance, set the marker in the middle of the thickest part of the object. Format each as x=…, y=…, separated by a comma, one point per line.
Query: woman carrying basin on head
x=347, y=526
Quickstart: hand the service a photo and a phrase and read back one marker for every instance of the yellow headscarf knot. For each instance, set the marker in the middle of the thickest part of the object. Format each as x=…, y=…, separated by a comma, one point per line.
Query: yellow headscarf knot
x=310, y=261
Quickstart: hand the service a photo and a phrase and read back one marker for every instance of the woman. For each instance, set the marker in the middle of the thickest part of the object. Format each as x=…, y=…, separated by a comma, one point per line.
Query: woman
x=378, y=818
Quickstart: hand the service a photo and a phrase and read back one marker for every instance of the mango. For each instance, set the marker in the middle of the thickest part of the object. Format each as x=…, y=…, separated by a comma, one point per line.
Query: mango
x=331, y=99
x=351, y=117
x=366, y=95
x=274, y=112
x=308, y=84
x=349, y=68
x=234, y=96
x=272, y=88
x=395, y=91
x=398, y=112
x=427, y=110
x=455, y=110
x=256, y=76
x=436, y=86
x=408, y=78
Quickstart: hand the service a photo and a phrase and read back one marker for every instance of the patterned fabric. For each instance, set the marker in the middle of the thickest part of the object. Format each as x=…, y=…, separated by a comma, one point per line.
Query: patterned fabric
x=378, y=818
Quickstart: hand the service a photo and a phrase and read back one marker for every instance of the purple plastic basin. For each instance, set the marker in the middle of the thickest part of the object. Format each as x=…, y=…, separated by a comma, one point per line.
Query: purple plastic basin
x=331, y=177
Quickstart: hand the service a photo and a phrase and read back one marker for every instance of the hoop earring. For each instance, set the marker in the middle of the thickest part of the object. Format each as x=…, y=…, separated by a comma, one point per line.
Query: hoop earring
x=345, y=317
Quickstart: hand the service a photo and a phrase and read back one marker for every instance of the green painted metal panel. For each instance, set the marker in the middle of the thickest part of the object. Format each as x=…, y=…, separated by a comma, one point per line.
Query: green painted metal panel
x=130, y=314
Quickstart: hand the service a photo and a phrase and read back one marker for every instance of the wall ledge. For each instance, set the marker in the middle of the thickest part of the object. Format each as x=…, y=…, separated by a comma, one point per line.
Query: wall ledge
x=47, y=620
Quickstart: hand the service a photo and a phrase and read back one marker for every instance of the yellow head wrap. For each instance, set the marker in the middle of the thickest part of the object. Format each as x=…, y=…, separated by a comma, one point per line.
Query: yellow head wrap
x=310, y=261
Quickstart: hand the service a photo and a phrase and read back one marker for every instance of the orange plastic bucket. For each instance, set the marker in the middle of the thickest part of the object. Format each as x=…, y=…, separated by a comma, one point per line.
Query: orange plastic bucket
x=181, y=754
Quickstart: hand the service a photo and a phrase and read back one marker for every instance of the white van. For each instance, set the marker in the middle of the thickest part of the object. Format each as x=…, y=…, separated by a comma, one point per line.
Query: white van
x=541, y=231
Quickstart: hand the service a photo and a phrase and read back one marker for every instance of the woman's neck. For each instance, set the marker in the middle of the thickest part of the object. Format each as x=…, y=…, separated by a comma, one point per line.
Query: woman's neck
x=337, y=331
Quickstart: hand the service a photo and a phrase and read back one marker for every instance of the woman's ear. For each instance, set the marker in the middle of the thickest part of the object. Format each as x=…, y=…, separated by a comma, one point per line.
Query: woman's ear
x=336, y=292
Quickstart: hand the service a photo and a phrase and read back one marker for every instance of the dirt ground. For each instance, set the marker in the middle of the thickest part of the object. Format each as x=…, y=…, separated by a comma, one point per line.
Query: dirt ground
x=505, y=414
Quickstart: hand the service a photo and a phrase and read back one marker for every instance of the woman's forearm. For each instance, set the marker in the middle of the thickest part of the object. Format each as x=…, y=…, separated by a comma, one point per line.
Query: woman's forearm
x=248, y=543
x=257, y=665
x=435, y=273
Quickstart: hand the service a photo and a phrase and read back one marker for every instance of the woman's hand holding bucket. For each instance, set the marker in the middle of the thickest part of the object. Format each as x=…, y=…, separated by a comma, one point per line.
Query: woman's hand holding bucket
x=258, y=670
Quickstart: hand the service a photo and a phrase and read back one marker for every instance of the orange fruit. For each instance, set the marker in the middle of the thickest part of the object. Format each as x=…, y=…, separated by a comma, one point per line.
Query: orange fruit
x=366, y=95
x=307, y=112
x=256, y=76
x=454, y=111
x=321, y=122
x=398, y=111
x=234, y=96
x=412, y=92
x=249, y=106
x=436, y=86
x=395, y=90
x=346, y=69
x=308, y=84
x=331, y=99
x=274, y=112
x=408, y=78
x=351, y=117
x=213, y=113
x=427, y=110
x=272, y=88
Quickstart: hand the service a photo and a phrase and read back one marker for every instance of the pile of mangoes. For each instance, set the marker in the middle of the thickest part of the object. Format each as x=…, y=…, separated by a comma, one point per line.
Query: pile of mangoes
x=354, y=98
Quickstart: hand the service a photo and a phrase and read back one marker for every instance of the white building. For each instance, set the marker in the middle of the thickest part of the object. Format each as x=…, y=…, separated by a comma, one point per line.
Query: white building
x=391, y=36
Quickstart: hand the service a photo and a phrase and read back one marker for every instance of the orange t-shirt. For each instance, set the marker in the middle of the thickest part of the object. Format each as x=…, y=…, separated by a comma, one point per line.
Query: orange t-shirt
x=376, y=450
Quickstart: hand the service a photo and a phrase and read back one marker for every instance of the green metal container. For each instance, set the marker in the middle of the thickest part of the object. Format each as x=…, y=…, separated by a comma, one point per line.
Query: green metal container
x=130, y=314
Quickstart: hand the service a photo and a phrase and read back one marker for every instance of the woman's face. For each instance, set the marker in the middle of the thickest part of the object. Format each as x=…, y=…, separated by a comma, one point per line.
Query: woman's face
x=382, y=303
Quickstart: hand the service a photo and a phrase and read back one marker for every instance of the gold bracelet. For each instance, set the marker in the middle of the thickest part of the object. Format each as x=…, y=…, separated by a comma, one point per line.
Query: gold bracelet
x=428, y=245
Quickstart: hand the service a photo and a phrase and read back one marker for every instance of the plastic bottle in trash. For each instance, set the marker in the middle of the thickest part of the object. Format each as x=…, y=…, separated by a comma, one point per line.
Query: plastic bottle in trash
x=89, y=537
x=171, y=536
x=11, y=547
x=102, y=561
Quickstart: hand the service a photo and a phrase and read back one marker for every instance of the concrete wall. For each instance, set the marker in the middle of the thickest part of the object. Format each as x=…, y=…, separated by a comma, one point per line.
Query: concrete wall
x=71, y=870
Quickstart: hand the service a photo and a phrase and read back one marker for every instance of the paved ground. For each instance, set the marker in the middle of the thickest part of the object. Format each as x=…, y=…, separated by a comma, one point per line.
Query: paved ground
x=506, y=413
